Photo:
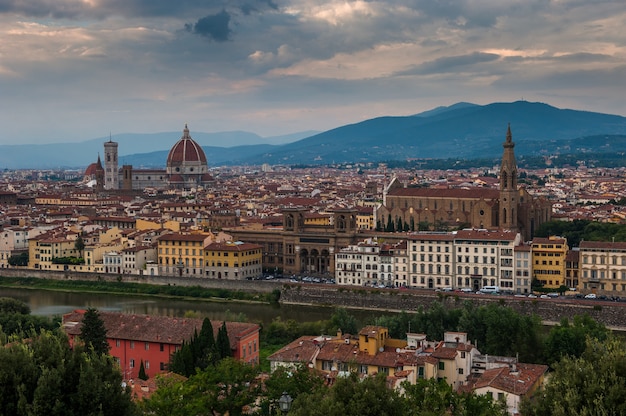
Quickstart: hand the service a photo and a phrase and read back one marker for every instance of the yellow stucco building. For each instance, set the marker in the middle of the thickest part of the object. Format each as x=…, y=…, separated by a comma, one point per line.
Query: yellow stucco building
x=549, y=261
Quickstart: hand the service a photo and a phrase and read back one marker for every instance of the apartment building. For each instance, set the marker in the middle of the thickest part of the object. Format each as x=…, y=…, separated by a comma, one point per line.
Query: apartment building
x=13, y=241
x=549, y=255
x=233, y=260
x=572, y=268
x=523, y=269
x=181, y=254
x=431, y=260
x=360, y=264
x=603, y=267
x=485, y=258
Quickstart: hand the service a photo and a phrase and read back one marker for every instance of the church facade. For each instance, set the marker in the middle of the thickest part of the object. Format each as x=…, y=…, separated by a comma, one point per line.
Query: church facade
x=508, y=208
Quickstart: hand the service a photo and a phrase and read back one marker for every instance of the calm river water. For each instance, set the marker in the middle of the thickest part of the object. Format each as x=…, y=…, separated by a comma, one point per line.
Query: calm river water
x=53, y=303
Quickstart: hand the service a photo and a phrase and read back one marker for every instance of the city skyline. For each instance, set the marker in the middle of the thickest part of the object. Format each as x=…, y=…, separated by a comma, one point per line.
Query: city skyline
x=73, y=71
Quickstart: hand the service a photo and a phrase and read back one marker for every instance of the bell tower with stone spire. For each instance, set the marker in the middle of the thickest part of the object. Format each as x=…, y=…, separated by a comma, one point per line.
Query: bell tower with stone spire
x=508, y=186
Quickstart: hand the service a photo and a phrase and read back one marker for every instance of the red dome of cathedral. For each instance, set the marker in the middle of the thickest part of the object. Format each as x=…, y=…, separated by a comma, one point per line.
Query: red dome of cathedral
x=91, y=169
x=186, y=164
x=186, y=152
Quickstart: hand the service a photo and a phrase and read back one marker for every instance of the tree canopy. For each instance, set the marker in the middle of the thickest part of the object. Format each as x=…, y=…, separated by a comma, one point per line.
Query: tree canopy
x=592, y=384
x=203, y=350
x=93, y=332
x=41, y=375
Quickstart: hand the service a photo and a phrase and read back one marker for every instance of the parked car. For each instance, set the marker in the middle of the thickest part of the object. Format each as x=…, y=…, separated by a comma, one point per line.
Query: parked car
x=590, y=296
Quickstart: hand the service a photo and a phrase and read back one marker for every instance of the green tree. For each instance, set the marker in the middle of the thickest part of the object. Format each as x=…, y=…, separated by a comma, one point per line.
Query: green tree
x=19, y=260
x=389, y=227
x=207, y=348
x=93, y=332
x=223, y=343
x=435, y=397
x=79, y=245
x=484, y=326
x=142, y=371
x=182, y=361
x=351, y=396
x=223, y=389
x=342, y=320
x=41, y=375
x=294, y=381
x=12, y=306
x=569, y=339
x=592, y=384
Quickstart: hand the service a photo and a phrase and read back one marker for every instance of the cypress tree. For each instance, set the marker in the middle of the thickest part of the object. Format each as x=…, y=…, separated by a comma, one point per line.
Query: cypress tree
x=207, y=347
x=223, y=343
x=389, y=227
x=142, y=371
x=93, y=333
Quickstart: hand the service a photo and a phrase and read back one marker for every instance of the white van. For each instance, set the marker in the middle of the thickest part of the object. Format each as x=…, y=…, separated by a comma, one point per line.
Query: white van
x=490, y=289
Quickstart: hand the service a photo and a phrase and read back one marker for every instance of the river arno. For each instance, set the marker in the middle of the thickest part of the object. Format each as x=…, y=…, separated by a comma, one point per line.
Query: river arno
x=55, y=303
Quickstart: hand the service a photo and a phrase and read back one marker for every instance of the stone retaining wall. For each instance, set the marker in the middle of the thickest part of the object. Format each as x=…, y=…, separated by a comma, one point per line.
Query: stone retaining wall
x=611, y=314
x=255, y=286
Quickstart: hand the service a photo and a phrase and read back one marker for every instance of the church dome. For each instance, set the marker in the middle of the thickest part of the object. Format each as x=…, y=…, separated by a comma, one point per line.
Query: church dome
x=91, y=170
x=186, y=153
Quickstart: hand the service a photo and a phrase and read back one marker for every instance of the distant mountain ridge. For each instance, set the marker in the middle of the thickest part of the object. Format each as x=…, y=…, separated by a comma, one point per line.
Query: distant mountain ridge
x=463, y=130
x=467, y=131
x=131, y=147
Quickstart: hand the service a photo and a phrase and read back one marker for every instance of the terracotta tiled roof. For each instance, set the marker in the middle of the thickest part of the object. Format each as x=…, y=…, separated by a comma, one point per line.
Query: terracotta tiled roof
x=304, y=349
x=520, y=381
x=182, y=237
x=602, y=245
x=425, y=236
x=475, y=193
x=148, y=328
x=485, y=235
x=445, y=353
x=229, y=246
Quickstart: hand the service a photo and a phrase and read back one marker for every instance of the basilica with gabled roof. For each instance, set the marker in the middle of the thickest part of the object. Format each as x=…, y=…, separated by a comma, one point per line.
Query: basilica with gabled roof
x=507, y=208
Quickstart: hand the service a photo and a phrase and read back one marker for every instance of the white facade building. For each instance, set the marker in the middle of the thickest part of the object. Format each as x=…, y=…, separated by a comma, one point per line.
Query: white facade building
x=485, y=258
x=359, y=264
x=431, y=260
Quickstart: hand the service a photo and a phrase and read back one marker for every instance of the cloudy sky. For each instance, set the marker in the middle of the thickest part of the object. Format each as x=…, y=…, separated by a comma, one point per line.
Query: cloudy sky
x=72, y=70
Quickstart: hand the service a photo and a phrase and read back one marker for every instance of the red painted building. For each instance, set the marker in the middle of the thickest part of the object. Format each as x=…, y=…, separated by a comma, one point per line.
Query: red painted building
x=153, y=339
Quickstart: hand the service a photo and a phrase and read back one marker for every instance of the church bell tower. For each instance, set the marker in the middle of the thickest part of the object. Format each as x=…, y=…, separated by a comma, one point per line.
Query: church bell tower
x=508, y=186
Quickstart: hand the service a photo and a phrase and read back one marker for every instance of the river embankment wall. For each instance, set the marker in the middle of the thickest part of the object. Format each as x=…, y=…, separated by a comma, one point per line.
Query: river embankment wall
x=611, y=314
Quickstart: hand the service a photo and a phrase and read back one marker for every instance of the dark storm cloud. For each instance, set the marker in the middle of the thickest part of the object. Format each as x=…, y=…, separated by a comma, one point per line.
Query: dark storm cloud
x=213, y=26
x=249, y=8
x=451, y=63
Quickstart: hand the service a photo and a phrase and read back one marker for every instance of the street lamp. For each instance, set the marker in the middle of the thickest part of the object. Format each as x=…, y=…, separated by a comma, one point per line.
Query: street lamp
x=284, y=403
